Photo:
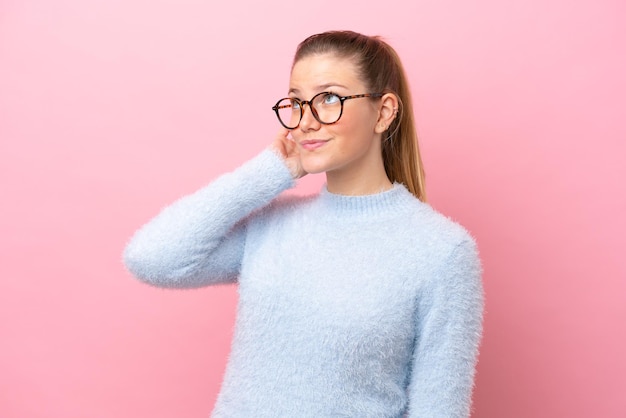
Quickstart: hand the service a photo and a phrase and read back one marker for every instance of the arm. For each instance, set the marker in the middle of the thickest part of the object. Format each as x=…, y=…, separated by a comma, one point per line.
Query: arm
x=449, y=328
x=199, y=239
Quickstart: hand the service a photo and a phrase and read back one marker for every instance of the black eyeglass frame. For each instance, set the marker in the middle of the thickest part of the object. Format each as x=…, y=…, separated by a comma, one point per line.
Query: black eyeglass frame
x=342, y=99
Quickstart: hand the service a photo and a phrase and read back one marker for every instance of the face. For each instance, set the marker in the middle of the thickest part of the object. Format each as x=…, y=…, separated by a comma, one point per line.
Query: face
x=349, y=148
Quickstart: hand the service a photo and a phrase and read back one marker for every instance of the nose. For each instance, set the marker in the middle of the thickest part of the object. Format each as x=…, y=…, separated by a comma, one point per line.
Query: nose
x=308, y=121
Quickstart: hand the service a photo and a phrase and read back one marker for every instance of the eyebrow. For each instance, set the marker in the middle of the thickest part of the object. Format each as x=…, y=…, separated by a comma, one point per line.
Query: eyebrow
x=320, y=87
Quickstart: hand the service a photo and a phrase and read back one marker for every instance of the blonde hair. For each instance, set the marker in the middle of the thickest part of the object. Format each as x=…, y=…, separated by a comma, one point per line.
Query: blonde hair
x=381, y=69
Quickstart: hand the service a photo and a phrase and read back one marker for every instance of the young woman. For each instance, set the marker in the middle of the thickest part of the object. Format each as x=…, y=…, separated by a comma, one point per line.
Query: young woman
x=361, y=301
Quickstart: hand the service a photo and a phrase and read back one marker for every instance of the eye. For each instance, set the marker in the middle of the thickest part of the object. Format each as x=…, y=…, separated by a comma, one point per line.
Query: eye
x=295, y=104
x=331, y=98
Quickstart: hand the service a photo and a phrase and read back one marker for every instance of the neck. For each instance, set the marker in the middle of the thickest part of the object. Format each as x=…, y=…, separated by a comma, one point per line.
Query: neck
x=351, y=184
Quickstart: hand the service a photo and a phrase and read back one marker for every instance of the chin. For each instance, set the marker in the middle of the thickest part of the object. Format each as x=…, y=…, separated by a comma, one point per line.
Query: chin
x=315, y=166
x=314, y=170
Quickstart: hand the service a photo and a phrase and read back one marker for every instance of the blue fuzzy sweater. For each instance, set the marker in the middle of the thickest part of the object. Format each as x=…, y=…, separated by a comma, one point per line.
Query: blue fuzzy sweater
x=349, y=306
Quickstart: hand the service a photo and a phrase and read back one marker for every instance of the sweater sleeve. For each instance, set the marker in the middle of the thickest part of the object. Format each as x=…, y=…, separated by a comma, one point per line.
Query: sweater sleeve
x=199, y=239
x=449, y=328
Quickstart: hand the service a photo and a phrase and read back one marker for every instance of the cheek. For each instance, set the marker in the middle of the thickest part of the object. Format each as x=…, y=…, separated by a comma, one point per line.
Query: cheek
x=360, y=127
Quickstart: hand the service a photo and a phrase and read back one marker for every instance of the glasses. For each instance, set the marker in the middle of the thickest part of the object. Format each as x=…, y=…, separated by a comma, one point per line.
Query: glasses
x=326, y=108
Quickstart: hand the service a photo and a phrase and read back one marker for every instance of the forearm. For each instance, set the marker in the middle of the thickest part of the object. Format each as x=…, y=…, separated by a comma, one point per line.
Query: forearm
x=198, y=240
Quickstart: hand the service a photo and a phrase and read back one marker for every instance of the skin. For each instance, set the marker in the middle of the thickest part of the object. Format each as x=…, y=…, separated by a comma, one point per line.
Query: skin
x=350, y=150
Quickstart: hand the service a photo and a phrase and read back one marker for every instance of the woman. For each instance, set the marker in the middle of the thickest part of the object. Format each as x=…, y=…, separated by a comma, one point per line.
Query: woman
x=361, y=301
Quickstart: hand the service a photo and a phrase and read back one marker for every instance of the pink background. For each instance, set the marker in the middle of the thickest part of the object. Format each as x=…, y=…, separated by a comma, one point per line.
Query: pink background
x=110, y=109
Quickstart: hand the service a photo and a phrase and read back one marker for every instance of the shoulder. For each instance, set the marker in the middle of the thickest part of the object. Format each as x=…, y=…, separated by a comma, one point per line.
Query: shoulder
x=454, y=251
x=287, y=204
x=434, y=241
x=280, y=209
x=437, y=229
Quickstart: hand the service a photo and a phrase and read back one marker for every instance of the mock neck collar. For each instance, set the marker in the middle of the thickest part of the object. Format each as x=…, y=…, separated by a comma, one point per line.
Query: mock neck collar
x=397, y=199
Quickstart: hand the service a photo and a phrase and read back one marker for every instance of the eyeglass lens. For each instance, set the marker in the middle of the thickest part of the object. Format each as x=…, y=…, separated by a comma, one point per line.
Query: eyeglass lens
x=326, y=108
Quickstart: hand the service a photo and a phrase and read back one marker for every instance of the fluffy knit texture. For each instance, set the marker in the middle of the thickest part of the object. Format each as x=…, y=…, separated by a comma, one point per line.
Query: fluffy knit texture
x=349, y=306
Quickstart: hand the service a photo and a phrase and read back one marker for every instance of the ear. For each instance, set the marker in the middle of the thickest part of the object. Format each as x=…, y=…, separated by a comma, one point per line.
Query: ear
x=387, y=112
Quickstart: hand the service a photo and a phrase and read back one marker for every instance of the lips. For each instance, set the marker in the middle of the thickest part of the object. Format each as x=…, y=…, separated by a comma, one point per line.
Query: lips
x=311, y=144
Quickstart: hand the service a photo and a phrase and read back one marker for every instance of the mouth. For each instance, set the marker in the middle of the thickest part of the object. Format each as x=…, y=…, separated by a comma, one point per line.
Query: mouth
x=311, y=144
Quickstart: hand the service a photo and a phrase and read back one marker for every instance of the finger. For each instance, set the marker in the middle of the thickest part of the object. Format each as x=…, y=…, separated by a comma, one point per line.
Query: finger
x=283, y=133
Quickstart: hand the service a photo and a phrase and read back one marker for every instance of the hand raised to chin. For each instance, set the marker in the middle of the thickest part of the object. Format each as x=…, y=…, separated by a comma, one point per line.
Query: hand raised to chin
x=287, y=149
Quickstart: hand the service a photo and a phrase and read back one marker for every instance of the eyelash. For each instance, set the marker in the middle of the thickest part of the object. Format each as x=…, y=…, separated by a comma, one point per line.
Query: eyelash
x=329, y=92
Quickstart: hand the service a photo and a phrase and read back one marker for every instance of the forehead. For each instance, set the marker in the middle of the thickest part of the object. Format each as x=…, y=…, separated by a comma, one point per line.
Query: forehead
x=319, y=70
